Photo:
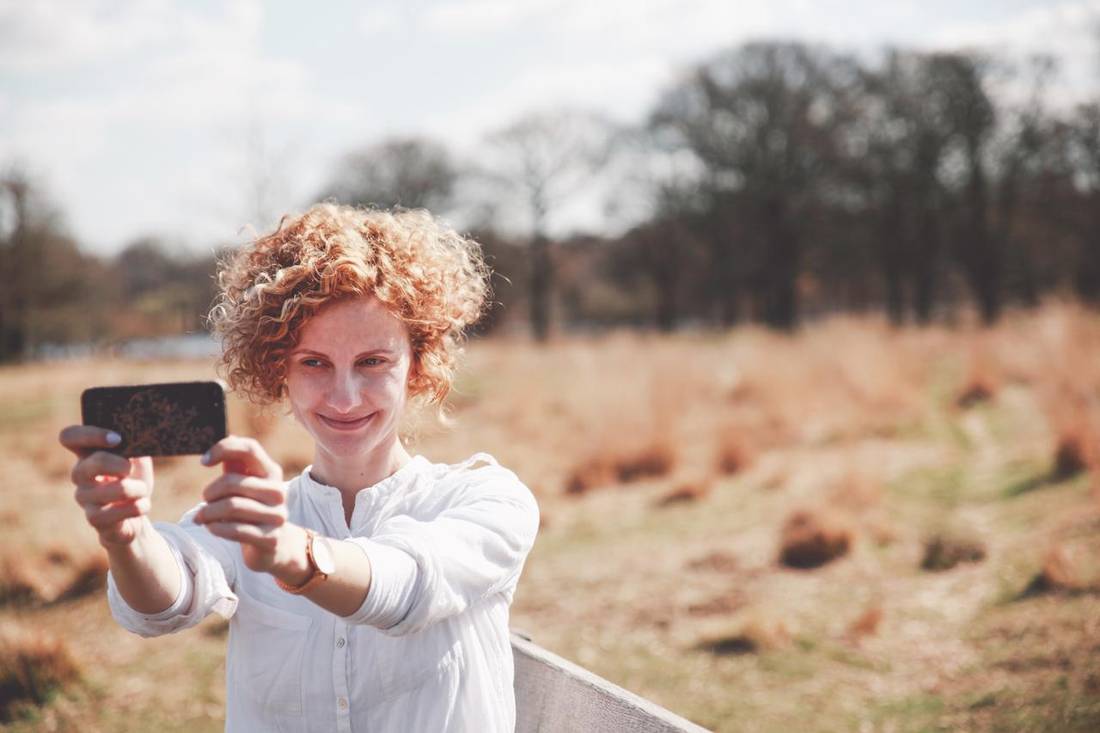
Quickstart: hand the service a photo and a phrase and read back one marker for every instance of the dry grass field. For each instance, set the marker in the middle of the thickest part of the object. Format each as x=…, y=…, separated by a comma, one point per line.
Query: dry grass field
x=854, y=528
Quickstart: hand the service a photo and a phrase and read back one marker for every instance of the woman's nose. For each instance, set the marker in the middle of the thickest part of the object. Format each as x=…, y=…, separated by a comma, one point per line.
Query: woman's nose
x=344, y=394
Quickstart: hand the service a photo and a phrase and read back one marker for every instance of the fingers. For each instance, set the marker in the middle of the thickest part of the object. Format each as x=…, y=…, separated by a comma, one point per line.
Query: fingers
x=242, y=510
x=84, y=439
x=102, y=517
x=99, y=463
x=262, y=490
x=108, y=492
x=243, y=455
x=142, y=469
x=261, y=536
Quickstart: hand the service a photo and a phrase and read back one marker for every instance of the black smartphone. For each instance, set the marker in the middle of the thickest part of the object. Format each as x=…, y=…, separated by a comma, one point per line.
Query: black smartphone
x=170, y=419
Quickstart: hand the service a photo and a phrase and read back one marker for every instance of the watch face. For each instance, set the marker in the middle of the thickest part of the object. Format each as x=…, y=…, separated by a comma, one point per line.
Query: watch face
x=322, y=555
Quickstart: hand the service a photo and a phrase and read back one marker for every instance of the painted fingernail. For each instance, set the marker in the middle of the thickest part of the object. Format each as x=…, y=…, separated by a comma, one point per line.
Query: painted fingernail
x=205, y=460
x=113, y=438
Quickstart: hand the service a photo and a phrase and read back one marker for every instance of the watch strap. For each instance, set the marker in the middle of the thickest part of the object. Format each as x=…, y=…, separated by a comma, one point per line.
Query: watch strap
x=316, y=577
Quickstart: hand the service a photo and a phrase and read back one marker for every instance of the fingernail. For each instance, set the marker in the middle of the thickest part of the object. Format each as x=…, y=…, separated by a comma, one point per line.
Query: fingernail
x=205, y=460
x=113, y=438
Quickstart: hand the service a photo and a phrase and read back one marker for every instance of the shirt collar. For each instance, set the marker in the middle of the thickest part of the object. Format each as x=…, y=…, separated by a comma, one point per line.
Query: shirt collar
x=401, y=477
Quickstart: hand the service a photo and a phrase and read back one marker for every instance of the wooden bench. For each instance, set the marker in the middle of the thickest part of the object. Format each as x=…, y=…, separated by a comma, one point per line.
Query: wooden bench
x=554, y=695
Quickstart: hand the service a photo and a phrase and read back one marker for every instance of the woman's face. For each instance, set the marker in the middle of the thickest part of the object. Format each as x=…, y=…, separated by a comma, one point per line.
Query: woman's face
x=346, y=379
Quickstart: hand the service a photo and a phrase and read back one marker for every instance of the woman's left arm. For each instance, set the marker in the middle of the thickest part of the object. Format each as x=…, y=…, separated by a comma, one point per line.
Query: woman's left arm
x=409, y=575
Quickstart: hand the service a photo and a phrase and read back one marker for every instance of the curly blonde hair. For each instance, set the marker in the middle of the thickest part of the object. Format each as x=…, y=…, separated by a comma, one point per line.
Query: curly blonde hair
x=426, y=274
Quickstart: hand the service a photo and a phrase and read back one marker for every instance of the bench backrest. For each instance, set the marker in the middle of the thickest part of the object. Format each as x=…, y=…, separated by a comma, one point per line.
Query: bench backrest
x=554, y=695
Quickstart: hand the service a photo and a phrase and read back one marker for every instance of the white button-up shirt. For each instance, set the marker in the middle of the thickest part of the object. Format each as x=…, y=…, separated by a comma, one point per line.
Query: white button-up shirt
x=429, y=648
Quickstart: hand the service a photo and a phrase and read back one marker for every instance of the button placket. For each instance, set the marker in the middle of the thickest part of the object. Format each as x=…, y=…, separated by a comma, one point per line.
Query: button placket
x=340, y=676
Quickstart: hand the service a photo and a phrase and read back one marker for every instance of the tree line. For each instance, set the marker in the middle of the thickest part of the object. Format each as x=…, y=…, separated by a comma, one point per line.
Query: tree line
x=772, y=182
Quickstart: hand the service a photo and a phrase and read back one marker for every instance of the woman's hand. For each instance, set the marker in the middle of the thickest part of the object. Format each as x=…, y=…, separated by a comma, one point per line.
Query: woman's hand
x=247, y=504
x=115, y=492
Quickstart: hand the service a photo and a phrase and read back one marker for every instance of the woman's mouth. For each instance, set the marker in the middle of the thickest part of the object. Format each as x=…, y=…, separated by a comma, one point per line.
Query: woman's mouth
x=343, y=423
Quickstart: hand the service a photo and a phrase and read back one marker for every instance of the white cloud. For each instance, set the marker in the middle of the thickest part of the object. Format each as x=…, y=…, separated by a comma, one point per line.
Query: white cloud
x=153, y=100
x=44, y=36
x=166, y=124
x=471, y=17
x=1069, y=30
x=379, y=20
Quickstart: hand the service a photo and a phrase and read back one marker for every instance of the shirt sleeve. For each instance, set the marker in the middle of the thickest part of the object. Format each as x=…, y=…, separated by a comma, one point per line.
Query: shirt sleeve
x=208, y=572
x=426, y=571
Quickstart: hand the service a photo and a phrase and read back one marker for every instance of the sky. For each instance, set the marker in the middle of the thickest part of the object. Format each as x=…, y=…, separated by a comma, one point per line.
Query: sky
x=165, y=117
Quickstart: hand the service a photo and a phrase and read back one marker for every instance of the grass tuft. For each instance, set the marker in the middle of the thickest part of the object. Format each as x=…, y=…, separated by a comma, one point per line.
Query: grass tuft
x=811, y=539
x=944, y=551
x=33, y=667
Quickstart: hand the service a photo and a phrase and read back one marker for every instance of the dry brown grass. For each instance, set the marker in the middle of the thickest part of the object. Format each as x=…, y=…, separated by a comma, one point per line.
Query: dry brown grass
x=717, y=561
x=1069, y=388
x=983, y=380
x=866, y=624
x=88, y=576
x=753, y=633
x=846, y=414
x=1066, y=568
x=33, y=666
x=17, y=583
x=51, y=576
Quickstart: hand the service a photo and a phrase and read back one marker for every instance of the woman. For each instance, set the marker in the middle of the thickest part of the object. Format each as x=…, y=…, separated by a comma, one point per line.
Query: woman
x=372, y=591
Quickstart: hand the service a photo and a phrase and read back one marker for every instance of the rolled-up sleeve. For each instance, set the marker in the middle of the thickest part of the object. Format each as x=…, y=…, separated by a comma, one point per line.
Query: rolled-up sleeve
x=208, y=573
x=425, y=571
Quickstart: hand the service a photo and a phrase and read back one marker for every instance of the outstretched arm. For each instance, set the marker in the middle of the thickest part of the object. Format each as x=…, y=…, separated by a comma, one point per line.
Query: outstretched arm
x=116, y=495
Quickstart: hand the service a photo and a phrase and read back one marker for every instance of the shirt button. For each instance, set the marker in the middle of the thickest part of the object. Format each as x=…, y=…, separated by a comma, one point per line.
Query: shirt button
x=343, y=703
x=340, y=643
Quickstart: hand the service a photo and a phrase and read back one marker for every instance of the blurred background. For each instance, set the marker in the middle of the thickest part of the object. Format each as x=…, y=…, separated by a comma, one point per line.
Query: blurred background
x=794, y=327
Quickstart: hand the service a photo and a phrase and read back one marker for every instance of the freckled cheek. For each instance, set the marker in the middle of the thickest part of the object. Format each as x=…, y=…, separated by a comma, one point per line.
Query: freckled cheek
x=304, y=393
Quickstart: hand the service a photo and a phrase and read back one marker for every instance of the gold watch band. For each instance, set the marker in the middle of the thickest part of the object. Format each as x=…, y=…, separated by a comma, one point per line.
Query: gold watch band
x=316, y=577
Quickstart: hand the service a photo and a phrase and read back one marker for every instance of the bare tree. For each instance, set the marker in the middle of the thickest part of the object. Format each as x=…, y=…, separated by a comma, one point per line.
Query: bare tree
x=765, y=119
x=542, y=160
x=409, y=172
x=660, y=185
x=40, y=266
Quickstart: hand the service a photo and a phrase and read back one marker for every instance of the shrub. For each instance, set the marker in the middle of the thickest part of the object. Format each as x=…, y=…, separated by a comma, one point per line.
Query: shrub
x=734, y=452
x=655, y=458
x=17, y=585
x=1070, y=455
x=89, y=577
x=685, y=493
x=812, y=539
x=944, y=551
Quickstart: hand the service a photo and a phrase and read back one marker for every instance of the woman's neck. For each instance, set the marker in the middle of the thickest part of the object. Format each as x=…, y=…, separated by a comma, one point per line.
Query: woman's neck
x=351, y=477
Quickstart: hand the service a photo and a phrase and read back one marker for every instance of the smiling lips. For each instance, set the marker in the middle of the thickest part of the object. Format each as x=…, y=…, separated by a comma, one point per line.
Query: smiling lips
x=345, y=425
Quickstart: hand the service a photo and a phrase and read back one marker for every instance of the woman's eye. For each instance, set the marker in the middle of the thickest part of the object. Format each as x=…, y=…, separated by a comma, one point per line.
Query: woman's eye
x=311, y=362
x=371, y=361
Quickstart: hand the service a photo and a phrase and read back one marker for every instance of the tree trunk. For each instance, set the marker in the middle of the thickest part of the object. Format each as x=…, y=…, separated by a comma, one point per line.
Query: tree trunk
x=541, y=283
x=781, y=267
x=892, y=253
x=981, y=253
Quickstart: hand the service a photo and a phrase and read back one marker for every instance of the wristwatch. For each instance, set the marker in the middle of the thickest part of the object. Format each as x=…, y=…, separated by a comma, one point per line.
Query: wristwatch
x=321, y=561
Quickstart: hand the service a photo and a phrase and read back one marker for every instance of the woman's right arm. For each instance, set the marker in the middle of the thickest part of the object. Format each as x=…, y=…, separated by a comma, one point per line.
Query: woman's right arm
x=115, y=494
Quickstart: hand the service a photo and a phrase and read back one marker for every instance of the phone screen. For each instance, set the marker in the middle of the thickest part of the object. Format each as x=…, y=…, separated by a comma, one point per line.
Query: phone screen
x=170, y=419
